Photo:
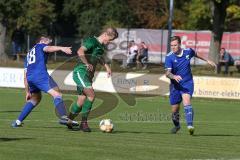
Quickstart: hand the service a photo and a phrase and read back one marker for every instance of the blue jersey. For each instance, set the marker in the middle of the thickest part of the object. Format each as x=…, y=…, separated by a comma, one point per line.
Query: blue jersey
x=37, y=75
x=35, y=62
x=180, y=65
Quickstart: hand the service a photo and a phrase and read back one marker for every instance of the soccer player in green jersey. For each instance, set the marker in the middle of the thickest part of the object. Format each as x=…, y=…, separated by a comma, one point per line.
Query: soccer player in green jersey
x=90, y=53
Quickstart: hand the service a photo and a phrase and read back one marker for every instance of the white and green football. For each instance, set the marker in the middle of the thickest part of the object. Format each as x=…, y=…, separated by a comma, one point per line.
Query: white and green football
x=106, y=125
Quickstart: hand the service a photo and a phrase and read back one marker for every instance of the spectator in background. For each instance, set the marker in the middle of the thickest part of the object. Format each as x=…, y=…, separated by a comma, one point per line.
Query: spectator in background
x=143, y=55
x=17, y=41
x=225, y=60
x=132, y=54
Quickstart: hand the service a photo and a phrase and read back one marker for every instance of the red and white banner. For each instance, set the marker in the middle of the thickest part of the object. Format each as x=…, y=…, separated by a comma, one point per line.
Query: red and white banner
x=156, y=40
x=200, y=41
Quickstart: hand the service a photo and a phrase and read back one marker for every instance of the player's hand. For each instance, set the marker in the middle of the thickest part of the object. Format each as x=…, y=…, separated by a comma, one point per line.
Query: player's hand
x=108, y=69
x=89, y=67
x=67, y=50
x=177, y=78
x=28, y=96
x=109, y=73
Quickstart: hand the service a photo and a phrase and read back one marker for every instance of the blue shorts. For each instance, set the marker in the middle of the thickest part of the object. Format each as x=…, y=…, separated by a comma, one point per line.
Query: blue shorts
x=176, y=91
x=42, y=84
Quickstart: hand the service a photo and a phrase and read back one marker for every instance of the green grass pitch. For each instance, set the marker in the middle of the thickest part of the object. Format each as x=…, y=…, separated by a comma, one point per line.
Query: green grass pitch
x=141, y=131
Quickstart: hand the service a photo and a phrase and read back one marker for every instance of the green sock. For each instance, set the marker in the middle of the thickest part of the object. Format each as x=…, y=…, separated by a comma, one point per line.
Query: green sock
x=86, y=108
x=75, y=108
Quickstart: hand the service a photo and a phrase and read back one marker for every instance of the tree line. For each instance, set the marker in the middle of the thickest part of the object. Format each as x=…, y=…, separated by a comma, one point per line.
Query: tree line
x=81, y=18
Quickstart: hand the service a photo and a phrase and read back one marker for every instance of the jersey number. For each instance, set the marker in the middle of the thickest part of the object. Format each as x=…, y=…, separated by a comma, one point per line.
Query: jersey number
x=31, y=56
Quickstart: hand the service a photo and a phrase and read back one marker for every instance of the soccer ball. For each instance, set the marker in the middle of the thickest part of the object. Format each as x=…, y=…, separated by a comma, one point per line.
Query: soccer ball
x=106, y=125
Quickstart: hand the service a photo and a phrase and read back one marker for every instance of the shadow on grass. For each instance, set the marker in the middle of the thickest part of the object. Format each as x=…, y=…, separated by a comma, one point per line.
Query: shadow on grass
x=95, y=130
x=10, y=111
x=2, y=139
x=138, y=132
x=50, y=127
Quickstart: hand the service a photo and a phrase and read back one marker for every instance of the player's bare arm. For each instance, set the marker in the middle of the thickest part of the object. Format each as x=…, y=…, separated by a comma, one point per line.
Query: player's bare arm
x=107, y=67
x=51, y=49
x=204, y=59
x=172, y=76
x=81, y=54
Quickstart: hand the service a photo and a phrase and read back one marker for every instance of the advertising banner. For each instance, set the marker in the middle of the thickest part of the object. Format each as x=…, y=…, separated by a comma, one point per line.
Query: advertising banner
x=156, y=40
x=133, y=83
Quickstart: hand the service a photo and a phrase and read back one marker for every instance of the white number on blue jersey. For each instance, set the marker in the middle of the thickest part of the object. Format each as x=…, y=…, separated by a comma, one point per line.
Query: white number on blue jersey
x=31, y=57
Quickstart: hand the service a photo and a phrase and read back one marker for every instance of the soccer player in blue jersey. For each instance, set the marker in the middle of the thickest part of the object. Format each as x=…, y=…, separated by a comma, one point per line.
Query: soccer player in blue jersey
x=178, y=70
x=37, y=79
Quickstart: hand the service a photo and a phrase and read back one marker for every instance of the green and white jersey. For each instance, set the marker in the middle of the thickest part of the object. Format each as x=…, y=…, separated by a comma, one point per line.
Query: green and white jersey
x=94, y=52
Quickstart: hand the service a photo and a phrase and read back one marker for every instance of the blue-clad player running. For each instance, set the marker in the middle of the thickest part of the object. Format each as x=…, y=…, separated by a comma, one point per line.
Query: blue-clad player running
x=178, y=70
x=37, y=79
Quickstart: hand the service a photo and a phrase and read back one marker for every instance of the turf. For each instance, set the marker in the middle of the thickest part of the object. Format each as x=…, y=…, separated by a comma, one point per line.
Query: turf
x=141, y=131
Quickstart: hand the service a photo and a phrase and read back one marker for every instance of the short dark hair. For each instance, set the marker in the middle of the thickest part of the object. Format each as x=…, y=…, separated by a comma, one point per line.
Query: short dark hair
x=43, y=37
x=174, y=38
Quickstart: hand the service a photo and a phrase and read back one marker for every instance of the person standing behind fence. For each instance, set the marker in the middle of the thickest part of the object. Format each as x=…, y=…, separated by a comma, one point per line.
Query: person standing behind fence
x=225, y=60
x=143, y=55
x=17, y=41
